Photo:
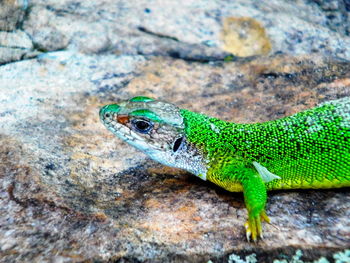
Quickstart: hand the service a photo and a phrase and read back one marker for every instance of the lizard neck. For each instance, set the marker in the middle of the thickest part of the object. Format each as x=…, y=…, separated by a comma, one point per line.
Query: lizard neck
x=215, y=137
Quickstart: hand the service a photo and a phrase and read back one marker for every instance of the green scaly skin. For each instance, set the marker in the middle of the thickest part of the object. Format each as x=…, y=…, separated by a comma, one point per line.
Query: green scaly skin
x=310, y=149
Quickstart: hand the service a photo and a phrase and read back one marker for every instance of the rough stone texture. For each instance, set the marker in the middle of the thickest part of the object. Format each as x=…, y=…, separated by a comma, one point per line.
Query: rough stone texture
x=337, y=14
x=72, y=192
x=16, y=45
x=12, y=13
x=116, y=25
x=189, y=30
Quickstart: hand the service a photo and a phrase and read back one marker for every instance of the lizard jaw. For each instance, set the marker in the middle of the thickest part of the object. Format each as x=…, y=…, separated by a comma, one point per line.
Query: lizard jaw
x=127, y=135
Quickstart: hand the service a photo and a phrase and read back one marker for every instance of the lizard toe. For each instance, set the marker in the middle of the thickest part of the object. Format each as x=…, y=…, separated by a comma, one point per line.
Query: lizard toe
x=254, y=227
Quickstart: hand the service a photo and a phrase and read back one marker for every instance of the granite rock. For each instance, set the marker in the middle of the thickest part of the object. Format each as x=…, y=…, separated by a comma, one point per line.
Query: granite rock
x=147, y=27
x=16, y=45
x=72, y=192
x=12, y=13
x=193, y=30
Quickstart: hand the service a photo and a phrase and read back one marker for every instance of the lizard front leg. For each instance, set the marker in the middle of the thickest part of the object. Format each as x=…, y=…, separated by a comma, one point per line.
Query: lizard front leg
x=255, y=197
x=248, y=180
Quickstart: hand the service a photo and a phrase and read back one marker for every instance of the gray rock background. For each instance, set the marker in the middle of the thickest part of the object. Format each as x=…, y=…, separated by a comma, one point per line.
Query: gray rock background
x=72, y=192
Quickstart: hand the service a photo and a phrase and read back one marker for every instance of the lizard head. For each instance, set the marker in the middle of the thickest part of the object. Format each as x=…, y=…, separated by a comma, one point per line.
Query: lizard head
x=153, y=126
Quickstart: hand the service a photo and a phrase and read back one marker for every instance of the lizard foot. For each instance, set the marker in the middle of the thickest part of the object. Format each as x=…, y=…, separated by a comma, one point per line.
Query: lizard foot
x=253, y=225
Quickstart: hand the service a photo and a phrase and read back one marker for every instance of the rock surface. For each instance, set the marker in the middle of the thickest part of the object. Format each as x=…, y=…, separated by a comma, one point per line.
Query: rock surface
x=194, y=30
x=72, y=192
x=12, y=13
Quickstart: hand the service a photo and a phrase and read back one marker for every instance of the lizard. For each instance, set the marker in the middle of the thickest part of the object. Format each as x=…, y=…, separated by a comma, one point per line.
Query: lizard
x=307, y=150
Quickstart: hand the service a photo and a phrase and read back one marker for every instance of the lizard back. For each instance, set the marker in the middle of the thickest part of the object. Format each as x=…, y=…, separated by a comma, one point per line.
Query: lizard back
x=310, y=149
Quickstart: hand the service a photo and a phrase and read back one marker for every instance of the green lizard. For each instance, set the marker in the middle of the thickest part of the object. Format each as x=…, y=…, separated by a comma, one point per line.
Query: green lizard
x=310, y=149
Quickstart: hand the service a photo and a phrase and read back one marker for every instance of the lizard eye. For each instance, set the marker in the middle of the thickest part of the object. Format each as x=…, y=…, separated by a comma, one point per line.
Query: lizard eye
x=142, y=126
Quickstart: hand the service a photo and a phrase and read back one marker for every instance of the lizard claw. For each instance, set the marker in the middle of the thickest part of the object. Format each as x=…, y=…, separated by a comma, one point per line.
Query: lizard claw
x=253, y=226
x=264, y=217
x=248, y=232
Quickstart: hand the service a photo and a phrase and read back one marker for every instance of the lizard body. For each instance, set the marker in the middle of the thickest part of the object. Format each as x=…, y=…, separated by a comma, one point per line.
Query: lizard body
x=310, y=149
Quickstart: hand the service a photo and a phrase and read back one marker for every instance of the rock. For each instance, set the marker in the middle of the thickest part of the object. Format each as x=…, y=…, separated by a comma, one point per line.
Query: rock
x=11, y=13
x=72, y=192
x=337, y=14
x=15, y=39
x=167, y=29
x=10, y=54
x=15, y=46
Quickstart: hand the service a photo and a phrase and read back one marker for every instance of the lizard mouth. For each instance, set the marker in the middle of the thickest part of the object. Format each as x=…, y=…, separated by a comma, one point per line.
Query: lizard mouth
x=115, y=122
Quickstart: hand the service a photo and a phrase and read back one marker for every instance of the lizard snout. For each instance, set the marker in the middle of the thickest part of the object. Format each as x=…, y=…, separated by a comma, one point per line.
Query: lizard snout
x=108, y=111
